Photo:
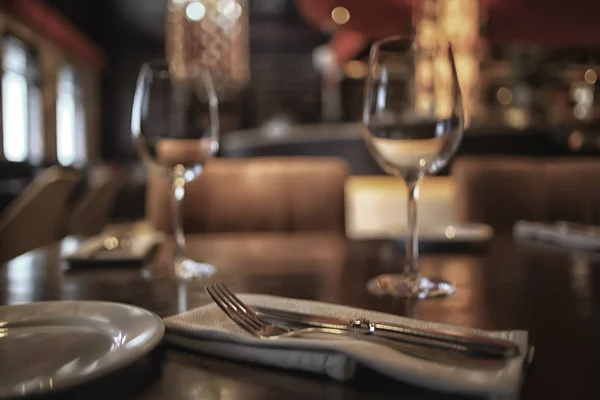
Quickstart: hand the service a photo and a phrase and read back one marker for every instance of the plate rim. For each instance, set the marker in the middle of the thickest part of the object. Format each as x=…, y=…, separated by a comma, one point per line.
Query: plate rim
x=119, y=363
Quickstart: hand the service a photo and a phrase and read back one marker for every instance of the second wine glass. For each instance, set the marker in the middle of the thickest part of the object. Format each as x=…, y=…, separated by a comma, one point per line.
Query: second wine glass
x=175, y=126
x=413, y=123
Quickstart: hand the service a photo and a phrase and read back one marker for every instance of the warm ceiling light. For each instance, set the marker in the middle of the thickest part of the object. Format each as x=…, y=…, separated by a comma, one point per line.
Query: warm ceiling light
x=355, y=69
x=504, y=96
x=450, y=232
x=583, y=93
x=517, y=118
x=576, y=140
x=340, y=15
x=590, y=76
x=230, y=9
x=195, y=11
x=581, y=111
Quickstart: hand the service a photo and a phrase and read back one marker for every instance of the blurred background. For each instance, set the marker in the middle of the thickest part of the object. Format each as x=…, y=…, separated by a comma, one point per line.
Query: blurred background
x=291, y=77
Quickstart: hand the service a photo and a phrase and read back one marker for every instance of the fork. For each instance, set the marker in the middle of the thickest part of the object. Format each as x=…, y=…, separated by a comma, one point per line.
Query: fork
x=249, y=319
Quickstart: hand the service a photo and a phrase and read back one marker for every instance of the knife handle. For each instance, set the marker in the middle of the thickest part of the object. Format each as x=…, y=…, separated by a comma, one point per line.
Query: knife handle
x=476, y=344
x=438, y=354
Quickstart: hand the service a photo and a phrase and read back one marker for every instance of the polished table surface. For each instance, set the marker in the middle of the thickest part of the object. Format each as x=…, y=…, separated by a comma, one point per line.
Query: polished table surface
x=552, y=293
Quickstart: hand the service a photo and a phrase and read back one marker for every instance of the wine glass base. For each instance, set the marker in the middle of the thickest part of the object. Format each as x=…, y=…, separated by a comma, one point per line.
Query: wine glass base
x=405, y=286
x=187, y=269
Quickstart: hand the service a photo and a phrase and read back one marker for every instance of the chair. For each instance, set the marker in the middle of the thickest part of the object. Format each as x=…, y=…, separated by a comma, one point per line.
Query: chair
x=285, y=194
x=14, y=177
x=36, y=217
x=501, y=190
x=91, y=214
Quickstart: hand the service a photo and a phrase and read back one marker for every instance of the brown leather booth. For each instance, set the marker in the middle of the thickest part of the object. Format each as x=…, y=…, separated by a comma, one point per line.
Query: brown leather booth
x=501, y=190
x=285, y=194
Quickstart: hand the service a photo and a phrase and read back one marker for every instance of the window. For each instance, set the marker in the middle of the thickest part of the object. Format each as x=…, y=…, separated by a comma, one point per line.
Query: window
x=71, y=146
x=21, y=103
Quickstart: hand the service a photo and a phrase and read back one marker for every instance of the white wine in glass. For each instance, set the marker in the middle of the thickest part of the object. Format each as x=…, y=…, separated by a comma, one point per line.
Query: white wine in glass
x=413, y=123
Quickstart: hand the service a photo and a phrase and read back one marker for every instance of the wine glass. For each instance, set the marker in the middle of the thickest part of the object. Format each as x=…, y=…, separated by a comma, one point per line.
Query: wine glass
x=413, y=122
x=175, y=127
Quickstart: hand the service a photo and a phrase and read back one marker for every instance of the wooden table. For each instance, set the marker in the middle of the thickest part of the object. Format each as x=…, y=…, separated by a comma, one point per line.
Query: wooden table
x=553, y=294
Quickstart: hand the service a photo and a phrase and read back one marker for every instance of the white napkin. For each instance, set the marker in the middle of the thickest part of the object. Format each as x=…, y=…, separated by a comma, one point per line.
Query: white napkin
x=565, y=234
x=208, y=330
x=137, y=248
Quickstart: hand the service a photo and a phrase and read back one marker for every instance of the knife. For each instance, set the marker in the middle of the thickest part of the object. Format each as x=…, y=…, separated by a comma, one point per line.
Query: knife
x=476, y=345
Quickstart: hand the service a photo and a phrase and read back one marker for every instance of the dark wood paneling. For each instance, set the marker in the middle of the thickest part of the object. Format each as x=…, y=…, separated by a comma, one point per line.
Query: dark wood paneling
x=127, y=50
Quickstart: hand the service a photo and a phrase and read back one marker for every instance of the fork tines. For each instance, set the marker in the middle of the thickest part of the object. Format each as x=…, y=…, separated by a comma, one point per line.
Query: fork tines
x=245, y=316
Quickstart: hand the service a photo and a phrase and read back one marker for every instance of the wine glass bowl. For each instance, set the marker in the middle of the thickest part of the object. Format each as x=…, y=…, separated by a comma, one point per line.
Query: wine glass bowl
x=175, y=127
x=413, y=122
x=174, y=118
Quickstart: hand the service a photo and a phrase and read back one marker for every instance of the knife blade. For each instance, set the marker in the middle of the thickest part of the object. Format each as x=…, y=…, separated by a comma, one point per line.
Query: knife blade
x=475, y=344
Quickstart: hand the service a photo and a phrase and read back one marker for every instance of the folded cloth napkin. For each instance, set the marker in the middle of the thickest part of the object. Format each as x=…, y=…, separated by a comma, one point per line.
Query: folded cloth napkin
x=208, y=330
x=565, y=234
x=133, y=248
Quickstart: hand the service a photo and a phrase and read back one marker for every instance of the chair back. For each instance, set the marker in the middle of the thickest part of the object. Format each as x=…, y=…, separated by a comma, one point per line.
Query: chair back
x=90, y=215
x=36, y=217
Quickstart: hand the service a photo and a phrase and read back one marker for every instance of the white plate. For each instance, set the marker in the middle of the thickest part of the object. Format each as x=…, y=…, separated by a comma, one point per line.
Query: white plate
x=458, y=233
x=48, y=346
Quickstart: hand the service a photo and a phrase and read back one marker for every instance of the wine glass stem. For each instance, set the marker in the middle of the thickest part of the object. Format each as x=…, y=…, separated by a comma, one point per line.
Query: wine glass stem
x=178, y=195
x=411, y=263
